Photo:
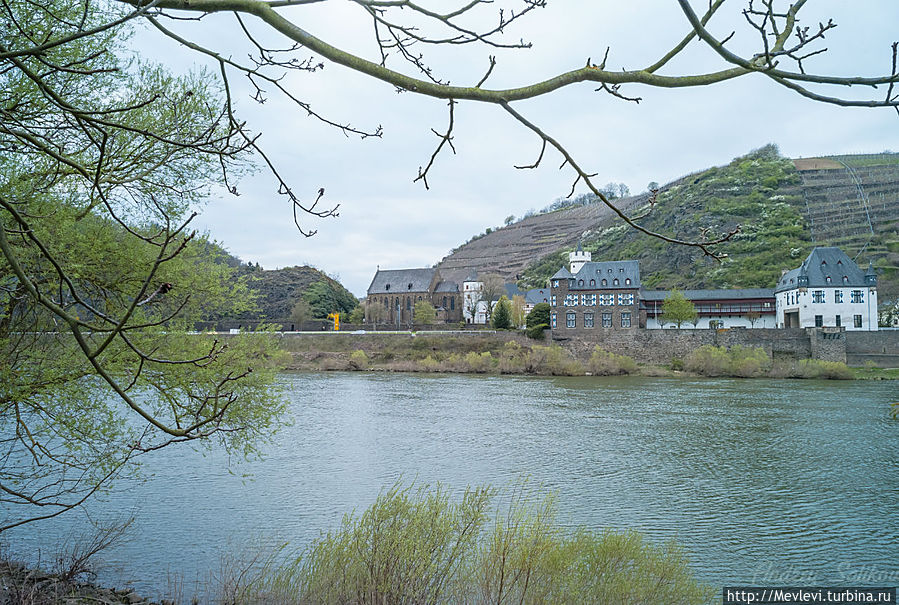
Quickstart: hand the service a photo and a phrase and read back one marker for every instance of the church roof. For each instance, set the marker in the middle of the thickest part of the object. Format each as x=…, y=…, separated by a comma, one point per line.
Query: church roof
x=401, y=280
x=562, y=273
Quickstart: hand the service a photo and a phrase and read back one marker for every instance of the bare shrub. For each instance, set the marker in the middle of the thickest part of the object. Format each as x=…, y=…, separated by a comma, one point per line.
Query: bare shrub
x=605, y=363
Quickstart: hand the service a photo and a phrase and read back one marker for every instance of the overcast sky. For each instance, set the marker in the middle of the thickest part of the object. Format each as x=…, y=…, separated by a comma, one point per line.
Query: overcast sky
x=387, y=220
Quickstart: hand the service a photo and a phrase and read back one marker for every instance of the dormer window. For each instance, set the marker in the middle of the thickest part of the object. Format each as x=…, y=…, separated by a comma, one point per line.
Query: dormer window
x=845, y=279
x=605, y=282
x=615, y=282
x=627, y=281
x=592, y=282
x=410, y=285
x=621, y=269
x=827, y=279
x=580, y=282
x=387, y=287
x=610, y=271
x=823, y=263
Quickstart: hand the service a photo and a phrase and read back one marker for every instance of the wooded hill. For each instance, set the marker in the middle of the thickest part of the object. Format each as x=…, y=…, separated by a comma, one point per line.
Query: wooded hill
x=278, y=290
x=783, y=207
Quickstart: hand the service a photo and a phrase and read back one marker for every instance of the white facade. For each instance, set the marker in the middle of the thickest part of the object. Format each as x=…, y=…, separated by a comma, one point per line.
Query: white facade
x=850, y=308
x=474, y=310
x=828, y=290
x=578, y=259
x=723, y=321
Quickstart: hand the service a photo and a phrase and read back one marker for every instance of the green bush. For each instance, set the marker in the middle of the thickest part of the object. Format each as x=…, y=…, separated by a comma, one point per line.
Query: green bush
x=415, y=545
x=740, y=361
x=478, y=363
x=815, y=368
x=539, y=315
x=429, y=364
x=605, y=363
x=359, y=360
x=536, y=331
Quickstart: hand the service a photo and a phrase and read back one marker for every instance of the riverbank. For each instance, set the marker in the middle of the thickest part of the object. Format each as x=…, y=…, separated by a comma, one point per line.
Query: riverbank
x=23, y=585
x=513, y=354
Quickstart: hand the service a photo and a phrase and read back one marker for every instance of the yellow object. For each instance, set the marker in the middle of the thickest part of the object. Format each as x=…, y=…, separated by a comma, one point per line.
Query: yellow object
x=336, y=318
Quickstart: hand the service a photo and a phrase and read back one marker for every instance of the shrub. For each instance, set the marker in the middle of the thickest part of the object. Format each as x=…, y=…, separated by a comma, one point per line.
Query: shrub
x=359, y=360
x=816, y=368
x=418, y=546
x=605, y=363
x=536, y=331
x=677, y=364
x=428, y=364
x=708, y=360
x=478, y=363
x=554, y=361
x=744, y=362
x=539, y=315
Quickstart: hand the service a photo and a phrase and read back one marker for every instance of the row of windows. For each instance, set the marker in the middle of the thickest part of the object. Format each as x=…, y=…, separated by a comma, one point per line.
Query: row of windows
x=398, y=302
x=592, y=282
x=589, y=300
x=589, y=321
x=856, y=321
x=820, y=296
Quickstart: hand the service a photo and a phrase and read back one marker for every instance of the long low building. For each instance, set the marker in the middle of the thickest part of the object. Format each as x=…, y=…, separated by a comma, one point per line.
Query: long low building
x=748, y=308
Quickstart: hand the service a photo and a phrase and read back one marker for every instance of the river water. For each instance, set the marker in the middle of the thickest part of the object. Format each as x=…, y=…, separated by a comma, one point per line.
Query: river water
x=761, y=481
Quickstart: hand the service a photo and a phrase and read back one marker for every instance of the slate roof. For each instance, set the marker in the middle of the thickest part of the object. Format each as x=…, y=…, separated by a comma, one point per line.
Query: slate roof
x=512, y=290
x=562, y=273
x=536, y=296
x=824, y=263
x=401, y=280
x=707, y=295
x=447, y=286
x=621, y=270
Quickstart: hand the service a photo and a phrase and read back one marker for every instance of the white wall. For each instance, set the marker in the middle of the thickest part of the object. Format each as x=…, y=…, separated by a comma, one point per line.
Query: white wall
x=828, y=310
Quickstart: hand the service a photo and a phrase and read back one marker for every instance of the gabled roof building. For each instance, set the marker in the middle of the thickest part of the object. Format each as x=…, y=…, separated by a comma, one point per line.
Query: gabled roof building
x=827, y=290
x=393, y=293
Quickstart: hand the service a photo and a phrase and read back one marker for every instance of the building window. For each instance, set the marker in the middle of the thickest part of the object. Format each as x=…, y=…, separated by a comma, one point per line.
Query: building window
x=615, y=282
x=570, y=300
x=580, y=282
x=857, y=296
x=408, y=304
x=444, y=301
x=819, y=321
x=552, y=320
x=839, y=321
x=553, y=297
x=838, y=296
x=625, y=320
x=845, y=279
x=857, y=320
x=817, y=296
x=588, y=300
x=626, y=299
x=387, y=287
x=627, y=281
x=607, y=300
x=588, y=320
x=453, y=303
x=570, y=320
x=606, y=320
x=604, y=282
x=592, y=282
x=555, y=283
x=827, y=279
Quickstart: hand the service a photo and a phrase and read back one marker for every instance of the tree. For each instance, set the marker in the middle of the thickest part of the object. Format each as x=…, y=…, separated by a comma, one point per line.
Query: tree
x=518, y=314
x=327, y=296
x=375, y=313
x=102, y=162
x=357, y=316
x=678, y=310
x=424, y=313
x=502, y=314
x=539, y=315
x=301, y=312
x=492, y=287
x=753, y=317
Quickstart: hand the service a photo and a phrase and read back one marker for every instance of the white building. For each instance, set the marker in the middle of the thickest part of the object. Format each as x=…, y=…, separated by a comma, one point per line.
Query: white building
x=827, y=290
x=750, y=308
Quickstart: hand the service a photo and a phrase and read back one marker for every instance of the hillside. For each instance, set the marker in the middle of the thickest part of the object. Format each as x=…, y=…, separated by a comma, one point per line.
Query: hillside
x=784, y=207
x=278, y=290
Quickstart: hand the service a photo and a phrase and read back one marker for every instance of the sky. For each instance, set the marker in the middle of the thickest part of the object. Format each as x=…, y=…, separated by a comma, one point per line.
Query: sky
x=386, y=220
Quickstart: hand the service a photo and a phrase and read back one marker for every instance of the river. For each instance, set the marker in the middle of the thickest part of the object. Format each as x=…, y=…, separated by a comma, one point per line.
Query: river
x=761, y=481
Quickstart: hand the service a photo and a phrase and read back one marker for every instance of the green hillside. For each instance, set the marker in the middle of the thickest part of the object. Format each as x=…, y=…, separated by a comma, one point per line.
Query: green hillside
x=783, y=207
